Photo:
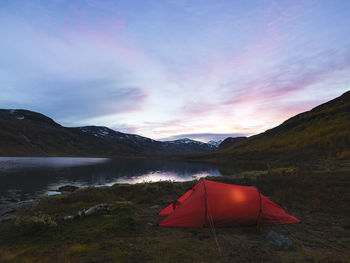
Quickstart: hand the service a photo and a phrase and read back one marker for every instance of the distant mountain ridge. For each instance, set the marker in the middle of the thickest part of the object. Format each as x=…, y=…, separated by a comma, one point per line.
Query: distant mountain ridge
x=27, y=133
x=322, y=133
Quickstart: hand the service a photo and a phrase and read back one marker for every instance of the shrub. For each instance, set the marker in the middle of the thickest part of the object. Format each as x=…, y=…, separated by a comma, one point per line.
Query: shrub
x=36, y=222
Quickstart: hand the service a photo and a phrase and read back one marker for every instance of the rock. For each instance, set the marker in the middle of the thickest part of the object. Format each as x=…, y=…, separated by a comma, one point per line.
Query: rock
x=154, y=207
x=96, y=208
x=67, y=189
x=14, y=195
x=7, y=210
x=6, y=217
x=92, y=210
x=68, y=218
x=278, y=241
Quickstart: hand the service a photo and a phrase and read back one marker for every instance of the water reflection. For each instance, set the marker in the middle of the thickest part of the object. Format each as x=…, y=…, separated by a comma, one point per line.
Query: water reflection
x=24, y=178
x=163, y=176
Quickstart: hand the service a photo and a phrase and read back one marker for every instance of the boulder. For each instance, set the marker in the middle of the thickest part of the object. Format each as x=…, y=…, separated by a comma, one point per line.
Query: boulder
x=68, y=218
x=96, y=208
x=90, y=211
x=279, y=241
x=67, y=189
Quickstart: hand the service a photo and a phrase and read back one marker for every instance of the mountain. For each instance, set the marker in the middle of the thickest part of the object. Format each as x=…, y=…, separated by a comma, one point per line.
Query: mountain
x=27, y=133
x=215, y=143
x=322, y=133
x=231, y=141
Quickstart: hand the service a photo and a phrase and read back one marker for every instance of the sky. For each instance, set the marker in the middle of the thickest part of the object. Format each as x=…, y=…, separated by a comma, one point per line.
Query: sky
x=169, y=69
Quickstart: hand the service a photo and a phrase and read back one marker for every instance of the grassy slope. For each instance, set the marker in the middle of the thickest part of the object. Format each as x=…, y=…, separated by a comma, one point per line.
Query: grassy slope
x=320, y=134
x=320, y=200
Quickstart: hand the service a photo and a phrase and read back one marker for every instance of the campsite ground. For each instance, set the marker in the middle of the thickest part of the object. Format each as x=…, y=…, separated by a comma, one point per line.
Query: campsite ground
x=128, y=233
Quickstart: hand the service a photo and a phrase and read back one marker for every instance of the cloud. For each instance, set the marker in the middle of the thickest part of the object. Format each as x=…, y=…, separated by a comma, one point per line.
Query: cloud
x=162, y=68
x=292, y=76
x=71, y=81
x=90, y=99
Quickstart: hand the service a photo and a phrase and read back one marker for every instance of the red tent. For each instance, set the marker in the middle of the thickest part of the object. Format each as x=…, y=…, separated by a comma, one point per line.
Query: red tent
x=210, y=203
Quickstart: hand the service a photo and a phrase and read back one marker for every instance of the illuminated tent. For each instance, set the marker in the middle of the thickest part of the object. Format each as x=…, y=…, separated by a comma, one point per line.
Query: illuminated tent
x=210, y=203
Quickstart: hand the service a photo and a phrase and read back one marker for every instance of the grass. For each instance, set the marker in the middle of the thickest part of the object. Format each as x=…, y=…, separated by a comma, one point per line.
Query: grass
x=128, y=233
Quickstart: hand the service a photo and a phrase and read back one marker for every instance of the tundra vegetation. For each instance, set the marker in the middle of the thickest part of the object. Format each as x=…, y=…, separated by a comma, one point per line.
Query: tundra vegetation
x=128, y=232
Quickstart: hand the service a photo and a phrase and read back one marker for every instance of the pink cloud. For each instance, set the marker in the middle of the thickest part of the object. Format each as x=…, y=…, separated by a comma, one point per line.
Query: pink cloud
x=286, y=81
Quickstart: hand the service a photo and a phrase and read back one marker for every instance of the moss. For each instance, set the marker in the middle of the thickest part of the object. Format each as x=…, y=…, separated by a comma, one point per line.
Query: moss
x=77, y=249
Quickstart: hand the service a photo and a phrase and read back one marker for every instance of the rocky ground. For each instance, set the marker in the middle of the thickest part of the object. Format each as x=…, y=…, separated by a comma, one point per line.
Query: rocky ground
x=8, y=209
x=119, y=224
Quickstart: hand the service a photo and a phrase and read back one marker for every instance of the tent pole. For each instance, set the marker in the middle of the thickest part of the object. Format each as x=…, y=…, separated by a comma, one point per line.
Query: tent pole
x=259, y=215
x=206, y=205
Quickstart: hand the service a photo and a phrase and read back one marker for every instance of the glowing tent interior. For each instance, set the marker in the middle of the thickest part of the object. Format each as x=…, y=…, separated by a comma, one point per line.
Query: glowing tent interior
x=210, y=203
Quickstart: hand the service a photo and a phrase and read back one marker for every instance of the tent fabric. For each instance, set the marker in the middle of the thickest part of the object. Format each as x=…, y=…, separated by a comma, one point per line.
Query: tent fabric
x=167, y=210
x=223, y=205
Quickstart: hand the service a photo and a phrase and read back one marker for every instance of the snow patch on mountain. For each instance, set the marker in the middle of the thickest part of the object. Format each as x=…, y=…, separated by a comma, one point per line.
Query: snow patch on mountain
x=186, y=141
x=96, y=131
x=215, y=143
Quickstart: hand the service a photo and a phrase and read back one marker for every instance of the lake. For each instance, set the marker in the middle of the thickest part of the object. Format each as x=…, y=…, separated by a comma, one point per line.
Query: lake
x=23, y=178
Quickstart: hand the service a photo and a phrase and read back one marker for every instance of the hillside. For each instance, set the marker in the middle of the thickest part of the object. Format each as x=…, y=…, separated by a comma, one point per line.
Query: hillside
x=322, y=133
x=27, y=133
x=231, y=141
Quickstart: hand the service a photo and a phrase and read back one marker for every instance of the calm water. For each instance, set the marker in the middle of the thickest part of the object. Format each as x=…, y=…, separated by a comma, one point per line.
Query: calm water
x=26, y=178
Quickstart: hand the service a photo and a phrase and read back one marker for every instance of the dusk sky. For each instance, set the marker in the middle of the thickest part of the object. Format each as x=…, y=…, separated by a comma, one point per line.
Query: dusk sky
x=173, y=68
